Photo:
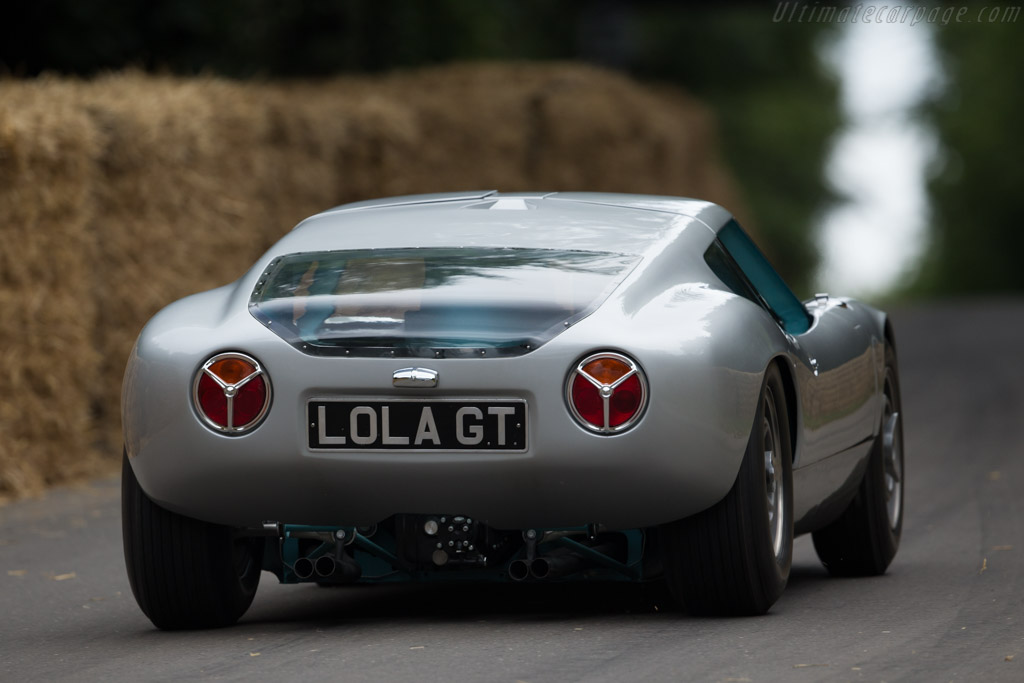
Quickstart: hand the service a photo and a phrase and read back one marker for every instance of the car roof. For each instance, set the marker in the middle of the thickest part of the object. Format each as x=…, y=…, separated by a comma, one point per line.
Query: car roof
x=623, y=223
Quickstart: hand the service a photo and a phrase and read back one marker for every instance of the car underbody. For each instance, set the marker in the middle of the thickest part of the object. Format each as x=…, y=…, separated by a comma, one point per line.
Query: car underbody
x=451, y=548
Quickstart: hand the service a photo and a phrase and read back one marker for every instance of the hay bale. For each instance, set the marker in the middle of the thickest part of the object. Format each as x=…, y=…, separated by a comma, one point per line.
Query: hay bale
x=47, y=271
x=122, y=194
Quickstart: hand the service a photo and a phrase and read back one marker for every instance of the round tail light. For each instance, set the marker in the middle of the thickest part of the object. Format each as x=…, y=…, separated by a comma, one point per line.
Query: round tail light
x=606, y=392
x=231, y=393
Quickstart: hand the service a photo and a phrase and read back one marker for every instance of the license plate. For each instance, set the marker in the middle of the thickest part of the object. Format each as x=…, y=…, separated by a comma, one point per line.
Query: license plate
x=417, y=425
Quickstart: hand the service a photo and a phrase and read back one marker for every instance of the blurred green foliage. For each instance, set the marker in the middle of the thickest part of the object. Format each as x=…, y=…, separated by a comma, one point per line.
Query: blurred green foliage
x=776, y=107
x=977, y=193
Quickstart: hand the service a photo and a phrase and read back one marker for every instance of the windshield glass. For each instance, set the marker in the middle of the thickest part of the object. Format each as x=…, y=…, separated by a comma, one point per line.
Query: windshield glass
x=433, y=302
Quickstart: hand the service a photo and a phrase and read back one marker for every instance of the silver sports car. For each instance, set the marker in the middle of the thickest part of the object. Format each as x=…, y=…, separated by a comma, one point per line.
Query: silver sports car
x=509, y=387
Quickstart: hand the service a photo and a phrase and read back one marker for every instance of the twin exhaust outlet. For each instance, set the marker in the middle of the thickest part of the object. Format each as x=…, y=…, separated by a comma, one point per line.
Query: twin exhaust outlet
x=556, y=564
x=328, y=567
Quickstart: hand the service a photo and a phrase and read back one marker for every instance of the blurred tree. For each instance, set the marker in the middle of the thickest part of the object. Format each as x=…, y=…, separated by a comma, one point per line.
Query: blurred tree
x=776, y=106
x=976, y=192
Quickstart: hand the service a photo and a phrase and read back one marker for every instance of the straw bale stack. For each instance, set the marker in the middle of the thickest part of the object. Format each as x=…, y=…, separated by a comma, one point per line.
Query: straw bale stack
x=48, y=357
x=121, y=194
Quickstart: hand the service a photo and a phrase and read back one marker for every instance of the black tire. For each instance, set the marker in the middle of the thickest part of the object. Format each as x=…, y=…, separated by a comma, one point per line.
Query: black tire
x=185, y=573
x=864, y=540
x=726, y=560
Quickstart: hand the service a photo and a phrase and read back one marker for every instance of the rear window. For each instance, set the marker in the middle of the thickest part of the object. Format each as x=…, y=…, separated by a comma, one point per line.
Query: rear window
x=433, y=302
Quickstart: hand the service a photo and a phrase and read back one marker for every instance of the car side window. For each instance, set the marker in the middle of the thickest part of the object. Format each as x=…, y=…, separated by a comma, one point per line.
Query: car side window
x=769, y=285
x=729, y=273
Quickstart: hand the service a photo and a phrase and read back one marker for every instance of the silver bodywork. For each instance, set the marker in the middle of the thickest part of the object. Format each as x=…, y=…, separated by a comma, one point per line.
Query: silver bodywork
x=704, y=351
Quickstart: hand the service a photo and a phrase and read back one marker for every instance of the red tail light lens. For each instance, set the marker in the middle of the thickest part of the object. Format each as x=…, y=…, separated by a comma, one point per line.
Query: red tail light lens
x=250, y=402
x=211, y=401
x=586, y=399
x=625, y=402
x=607, y=392
x=231, y=393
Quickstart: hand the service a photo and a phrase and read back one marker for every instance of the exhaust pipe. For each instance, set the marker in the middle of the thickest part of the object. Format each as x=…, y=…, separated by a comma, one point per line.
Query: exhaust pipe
x=303, y=568
x=565, y=561
x=518, y=570
x=555, y=565
x=337, y=569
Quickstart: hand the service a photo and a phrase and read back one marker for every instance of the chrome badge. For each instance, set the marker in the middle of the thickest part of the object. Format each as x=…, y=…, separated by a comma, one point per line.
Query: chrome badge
x=422, y=378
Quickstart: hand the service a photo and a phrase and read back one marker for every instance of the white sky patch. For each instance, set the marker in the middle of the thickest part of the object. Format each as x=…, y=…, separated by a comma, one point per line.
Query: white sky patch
x=874, y=240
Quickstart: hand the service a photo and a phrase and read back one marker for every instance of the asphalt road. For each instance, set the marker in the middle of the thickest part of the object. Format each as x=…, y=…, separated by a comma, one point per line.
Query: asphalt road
x=951, y=607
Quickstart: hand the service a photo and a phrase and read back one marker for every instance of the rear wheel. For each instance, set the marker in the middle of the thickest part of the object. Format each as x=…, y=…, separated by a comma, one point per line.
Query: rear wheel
x=734, y=558
x=185, y=573
x=863, y=541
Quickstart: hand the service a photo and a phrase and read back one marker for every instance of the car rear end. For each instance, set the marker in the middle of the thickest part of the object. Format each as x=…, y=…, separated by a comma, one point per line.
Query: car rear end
x=437, y=411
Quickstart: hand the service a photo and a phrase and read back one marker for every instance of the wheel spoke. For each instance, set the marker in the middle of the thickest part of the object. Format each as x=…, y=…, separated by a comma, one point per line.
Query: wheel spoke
x=892, y=470
x=774, y=495
x=892, y=458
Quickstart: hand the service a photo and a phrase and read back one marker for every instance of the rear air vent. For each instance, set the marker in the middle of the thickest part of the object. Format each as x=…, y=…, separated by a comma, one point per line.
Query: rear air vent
x=504, y=204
